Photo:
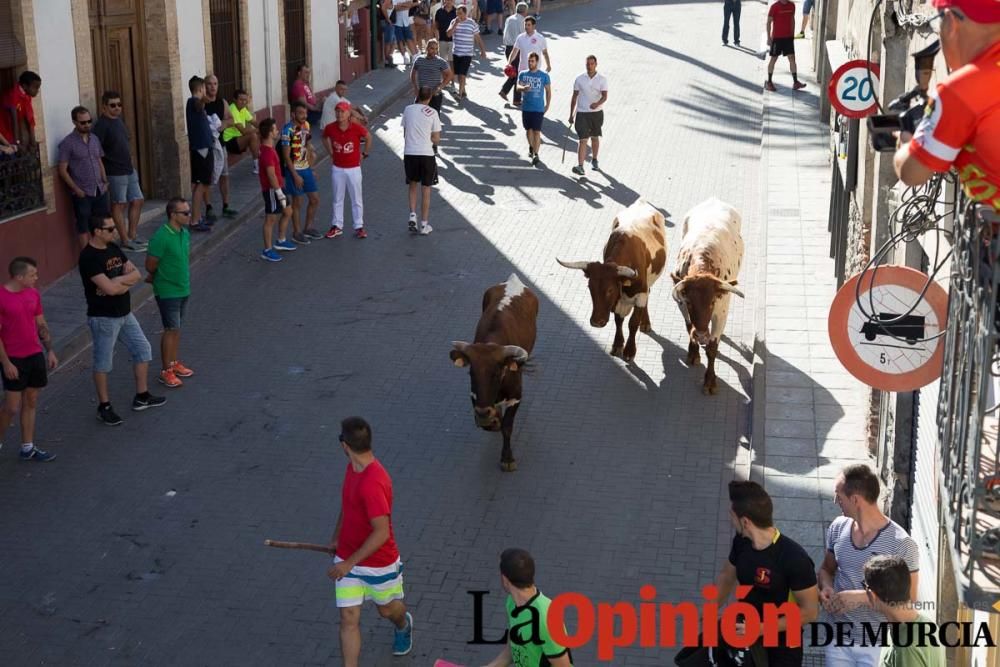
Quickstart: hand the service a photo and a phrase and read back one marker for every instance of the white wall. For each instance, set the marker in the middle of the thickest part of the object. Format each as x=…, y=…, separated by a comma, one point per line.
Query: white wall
x=259, y=55
x=190, y=43
x=325, y=56
x=57, y=67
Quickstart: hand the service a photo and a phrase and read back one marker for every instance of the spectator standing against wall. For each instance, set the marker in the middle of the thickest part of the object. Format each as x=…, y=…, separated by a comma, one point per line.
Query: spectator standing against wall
x=243, y=134
x=82, y=170
x=303, y=94
x=511, y=31
x=126, y=195
x=17, y=113
x=24, y=365
x=201, y=153
x=221, y=120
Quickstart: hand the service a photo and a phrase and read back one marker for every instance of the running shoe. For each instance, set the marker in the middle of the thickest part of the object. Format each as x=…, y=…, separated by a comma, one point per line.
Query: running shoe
x=145, y=401
x=210, y=216
x=769, y=86
x=360, y=233
x=798, y=85
x=201, y=226
x=425, y=229
x=140, y=243
x=284, y=245
x=535, y=161
x=35, y=454
x=301, y=239
x=108, y=416
x=412, y=224
x=228, y=212
x=578, y=170
x=180, y=370
x=402, y=640
x=594, y=165
x=168, y=379
x=270, y=255
x=334, y=232
x=312, y=234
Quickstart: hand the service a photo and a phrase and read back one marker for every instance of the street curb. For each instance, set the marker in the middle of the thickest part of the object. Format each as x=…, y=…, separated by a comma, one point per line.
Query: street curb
x=77, y=341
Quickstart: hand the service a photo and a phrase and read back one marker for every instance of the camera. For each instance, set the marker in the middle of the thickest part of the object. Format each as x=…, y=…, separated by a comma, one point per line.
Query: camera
x=905, y=114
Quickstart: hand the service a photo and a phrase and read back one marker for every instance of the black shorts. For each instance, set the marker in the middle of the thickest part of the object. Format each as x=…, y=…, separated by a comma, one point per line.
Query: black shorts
x=32, y=372
x=588, y=124
x=462, y=64
x=202, y=167
x=272, y=205
x=233, y=146
x=85, y=207
x=421, y=168
x=783, y=46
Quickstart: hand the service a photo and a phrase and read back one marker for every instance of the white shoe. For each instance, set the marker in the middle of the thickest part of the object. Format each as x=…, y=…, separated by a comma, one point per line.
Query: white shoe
x=425, y=229
x=256, y=167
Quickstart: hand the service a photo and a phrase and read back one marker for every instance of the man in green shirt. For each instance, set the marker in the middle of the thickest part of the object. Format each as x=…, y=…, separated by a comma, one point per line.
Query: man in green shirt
x=887, y=585
x=529, y=643
x=168, y=264
x=243, y=133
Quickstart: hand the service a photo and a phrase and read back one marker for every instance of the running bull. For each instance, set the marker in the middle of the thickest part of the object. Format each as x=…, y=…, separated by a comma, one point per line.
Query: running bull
x=708, y=263
x=504, y=339
x=634, y=257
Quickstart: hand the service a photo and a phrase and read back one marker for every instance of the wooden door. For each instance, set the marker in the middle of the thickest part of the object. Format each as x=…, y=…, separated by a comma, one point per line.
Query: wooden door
x=295, y=39
x=116, y=29
x=227, y=56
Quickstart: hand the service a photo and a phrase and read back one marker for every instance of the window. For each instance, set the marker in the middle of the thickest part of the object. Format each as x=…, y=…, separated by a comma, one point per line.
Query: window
x=12, y=55
x=295, y=38
x=227, y=46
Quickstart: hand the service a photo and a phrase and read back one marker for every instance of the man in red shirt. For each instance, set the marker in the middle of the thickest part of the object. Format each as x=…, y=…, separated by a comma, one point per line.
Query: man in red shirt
x=343, y=140
x=366, y=564
x=781, y=40
x=276, y=208
x=962, y=120
x=25, y=367
x=17, y=115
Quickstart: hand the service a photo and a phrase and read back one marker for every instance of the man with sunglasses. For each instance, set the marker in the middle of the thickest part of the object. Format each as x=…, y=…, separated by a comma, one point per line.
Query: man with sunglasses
x=124, y=179
x=82, y=170
x=962, y=120
x=887, y=585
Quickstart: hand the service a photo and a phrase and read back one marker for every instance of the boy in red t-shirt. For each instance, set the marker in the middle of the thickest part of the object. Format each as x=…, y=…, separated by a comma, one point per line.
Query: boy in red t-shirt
x=276, y=207
x=366, y=564
x=781, y=40
x=343, y=139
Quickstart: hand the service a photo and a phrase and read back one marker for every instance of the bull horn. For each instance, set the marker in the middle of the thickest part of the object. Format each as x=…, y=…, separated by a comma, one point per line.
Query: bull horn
x=459, y=345
x=573, y=265
x=627, y=272
x=518, y=353
x=725, y=287
x=678, y=288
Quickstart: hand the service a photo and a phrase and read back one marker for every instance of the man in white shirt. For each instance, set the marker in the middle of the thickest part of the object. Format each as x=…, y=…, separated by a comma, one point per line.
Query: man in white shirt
x=421, y=134
x=528, y=42
x=590, y=92
x=404, y=27
x=339, y=95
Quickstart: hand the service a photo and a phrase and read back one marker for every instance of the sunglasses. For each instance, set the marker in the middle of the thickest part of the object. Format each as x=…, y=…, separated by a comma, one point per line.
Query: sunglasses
x=115, y=105
x=84, y=122
x=182, y=212
x=105, y=229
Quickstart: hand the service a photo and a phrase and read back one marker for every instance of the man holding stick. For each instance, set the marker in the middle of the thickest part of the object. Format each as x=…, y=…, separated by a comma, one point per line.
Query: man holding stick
x=366, y=563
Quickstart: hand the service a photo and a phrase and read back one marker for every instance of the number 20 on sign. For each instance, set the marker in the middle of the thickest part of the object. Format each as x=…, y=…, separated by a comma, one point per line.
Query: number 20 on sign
x=853, y=88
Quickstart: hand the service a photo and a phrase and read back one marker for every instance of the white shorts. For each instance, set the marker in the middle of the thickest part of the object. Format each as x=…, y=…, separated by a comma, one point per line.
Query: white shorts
x=381, y=585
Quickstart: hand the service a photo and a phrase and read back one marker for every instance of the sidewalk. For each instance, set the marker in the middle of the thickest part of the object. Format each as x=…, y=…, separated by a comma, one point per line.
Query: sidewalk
x=809, y=413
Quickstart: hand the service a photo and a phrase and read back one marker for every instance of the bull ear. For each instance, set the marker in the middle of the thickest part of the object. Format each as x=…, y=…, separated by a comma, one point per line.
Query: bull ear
x=626, y=283
x=458, y=358
x=512, y=365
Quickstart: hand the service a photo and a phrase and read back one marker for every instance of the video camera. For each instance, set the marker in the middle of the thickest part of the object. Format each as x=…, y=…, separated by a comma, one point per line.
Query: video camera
x=905, y=114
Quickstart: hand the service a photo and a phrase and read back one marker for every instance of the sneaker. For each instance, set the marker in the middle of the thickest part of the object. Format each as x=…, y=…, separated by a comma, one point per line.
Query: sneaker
x=270, y=255
x=578, y=170
x=140, y=243
x=200, y=226
x=413, y=225
x=35, y=454
x=127, y=245
x=168, y=379
x=725, y=43
x=737, y=42
x=284, y=244
x=402, y=640
x=228, y=212
x=210, y=215
x=144, y=402
x=108, y=416
x=798, y=85
x=594, y=165
x=180, y=370
x=360, y=233
x=301, y=239
x=256, y=167
x=769, y=86
x=425, y=229
x=801, y=35
x=504, y=96
x=535, y=161
x=334, y=232
x=312, y=234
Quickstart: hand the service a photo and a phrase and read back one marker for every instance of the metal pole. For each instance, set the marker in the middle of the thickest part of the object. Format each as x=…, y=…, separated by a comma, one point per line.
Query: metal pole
x=373, y=60
x=267, y=60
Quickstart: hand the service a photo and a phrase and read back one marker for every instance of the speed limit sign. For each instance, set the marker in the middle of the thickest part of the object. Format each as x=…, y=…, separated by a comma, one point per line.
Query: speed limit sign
x=853, y=87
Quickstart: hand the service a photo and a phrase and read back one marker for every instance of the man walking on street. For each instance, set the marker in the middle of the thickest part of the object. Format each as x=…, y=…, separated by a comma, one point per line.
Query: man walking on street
x=430, y=71
x=107, y=275
x=123, y=178
x=276, y=209
x=169, y=271
x=202, y=157
x=851, y=540
x=299, y=178
x=442, y=20
x=781, y=40
x=590, y=92
x=82, y=171
x=528, y=42
x=421, y=136
x=343, y=140
x=887, y=584
x=218, y=113
x=512, y=29
x=731, y=8
x=807, y=7
x=525, y=602
x=23, y=363
x=465, y=32
x=366, y=562
x=536, y=93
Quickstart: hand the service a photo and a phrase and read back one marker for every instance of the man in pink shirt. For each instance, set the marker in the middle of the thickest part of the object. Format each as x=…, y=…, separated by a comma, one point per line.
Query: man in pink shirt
x=23, y=331
x=301, y=92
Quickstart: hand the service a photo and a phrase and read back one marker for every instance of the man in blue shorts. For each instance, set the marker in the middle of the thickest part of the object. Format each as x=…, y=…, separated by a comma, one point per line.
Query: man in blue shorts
x=536, y=94
x=807, y=7
x=298, y=174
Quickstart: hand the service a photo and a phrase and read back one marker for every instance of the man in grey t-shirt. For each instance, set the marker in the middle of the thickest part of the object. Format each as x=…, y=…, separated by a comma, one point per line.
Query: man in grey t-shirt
x=430, y=71
x=851, y=541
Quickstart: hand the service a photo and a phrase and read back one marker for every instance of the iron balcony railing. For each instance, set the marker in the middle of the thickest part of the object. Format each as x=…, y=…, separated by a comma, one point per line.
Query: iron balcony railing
x=20, y=182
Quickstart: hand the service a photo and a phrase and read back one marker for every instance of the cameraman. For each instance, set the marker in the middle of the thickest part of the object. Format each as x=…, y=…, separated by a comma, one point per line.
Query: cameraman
x=962, y=122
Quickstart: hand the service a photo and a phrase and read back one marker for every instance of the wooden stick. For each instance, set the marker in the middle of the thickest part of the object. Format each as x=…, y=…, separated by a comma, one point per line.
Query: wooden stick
x=298, y=545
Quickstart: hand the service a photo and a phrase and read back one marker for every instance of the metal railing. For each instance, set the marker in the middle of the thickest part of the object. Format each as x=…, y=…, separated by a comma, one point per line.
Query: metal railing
x=21, y=182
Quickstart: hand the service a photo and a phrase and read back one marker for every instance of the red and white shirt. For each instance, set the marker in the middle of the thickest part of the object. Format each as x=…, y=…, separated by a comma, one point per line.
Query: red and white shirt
x=346, y=144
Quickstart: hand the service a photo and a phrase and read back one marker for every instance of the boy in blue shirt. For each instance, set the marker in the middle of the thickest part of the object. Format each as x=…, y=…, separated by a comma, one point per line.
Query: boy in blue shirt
x=536, y=94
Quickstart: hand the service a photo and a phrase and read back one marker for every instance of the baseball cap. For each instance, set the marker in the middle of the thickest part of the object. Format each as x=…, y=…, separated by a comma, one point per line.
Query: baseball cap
x=980, y=11
x=343, y=106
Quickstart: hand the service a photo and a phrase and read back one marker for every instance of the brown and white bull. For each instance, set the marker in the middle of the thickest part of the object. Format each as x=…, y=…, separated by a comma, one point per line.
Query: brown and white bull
x=708, y=264
x=504, y=339
x=634, y=257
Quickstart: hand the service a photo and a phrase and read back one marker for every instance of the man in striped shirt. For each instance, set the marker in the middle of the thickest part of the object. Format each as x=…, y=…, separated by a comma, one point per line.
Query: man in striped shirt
x=430, y=71
x=465, y=32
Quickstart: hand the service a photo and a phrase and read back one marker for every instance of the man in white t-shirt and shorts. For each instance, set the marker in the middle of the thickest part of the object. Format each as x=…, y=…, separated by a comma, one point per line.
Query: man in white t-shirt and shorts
x=590, y=92
x=421, y=134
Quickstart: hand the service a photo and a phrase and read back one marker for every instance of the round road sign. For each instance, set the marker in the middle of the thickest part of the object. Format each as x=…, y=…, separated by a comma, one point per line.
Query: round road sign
x=895, y=349
x=851, y=91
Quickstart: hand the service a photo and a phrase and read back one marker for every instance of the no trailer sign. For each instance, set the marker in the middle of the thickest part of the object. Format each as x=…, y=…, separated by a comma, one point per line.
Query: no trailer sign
x=853, y=88
x=886, y=334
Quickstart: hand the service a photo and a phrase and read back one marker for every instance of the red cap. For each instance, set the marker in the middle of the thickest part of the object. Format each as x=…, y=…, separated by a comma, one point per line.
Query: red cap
x=343, y=106
x=980, y=11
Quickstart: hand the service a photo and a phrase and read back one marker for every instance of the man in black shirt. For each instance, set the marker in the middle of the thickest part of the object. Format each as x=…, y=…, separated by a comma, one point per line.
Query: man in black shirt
x=216, y=105
x=107, y=275
x=777, y=568
x=442, y=20
x=122, y=176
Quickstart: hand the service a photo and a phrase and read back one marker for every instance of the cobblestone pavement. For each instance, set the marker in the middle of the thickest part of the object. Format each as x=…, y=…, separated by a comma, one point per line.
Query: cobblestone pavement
x=142, y=544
